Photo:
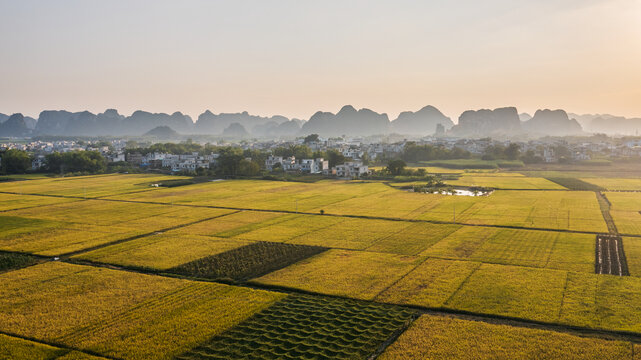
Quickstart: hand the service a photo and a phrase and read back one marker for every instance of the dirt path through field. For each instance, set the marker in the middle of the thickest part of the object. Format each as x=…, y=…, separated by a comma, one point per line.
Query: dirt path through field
x=610, y=257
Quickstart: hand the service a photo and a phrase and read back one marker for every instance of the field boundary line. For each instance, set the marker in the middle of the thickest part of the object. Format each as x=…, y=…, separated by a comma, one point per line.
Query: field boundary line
x=467, y=278
x=565, y=289
x=399, y=279
x=57, y=345
x=96, y=247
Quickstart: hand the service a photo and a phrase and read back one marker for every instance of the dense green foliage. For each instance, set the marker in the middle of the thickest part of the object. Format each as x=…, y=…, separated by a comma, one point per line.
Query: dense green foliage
x=76, y=161
x=305, y=327
x=415, y=153
x=248, y=261
x=14, y=261
x=15, y=162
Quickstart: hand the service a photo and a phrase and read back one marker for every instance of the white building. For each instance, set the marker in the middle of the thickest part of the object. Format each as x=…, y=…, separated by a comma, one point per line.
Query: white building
x=352, y=169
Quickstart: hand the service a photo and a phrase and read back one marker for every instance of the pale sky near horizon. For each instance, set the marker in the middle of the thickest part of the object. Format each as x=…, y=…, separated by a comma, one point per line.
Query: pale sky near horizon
x=296, y=57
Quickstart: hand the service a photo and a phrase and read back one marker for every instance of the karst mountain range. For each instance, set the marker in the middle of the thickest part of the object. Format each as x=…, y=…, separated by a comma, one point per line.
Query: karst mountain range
x=500, y=122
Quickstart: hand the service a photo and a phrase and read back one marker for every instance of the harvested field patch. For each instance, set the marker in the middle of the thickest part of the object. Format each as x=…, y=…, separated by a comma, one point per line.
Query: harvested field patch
x=505, y=182
x=305, y=327
x=436, y=337
x=246, y=262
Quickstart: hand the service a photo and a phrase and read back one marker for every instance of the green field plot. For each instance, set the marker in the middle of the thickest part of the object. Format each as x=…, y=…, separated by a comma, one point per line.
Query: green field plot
x=121, y=314
x=413, y=239
x=356, y=274
x=615, y=183
x=13, y=348
x=17, y=201
x=436, y=337
x=87, y=186
x=303, y=327
x=430, y=284
x=70, y=227
x=246, y=262
x=513, y=291
x=162, y=251
x=505, y=182
x=625, y=211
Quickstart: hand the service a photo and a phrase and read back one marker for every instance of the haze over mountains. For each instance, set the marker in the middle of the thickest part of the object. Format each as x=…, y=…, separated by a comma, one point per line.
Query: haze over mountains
x=347, y=121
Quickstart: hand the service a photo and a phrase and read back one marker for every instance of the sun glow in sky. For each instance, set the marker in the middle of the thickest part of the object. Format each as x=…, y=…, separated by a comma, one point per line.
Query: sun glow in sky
x=296, y=57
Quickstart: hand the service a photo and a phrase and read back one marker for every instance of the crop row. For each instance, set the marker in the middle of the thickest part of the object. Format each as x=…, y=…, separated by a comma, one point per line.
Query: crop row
x=247, y=261
x=309, y=328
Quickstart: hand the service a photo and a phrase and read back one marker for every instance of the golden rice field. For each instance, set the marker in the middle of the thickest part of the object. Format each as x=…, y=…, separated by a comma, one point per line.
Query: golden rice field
x=625, y=211
x=438, y=337
x=130, y=281
x=616, y=183
x=120, y=314
x=87, y=186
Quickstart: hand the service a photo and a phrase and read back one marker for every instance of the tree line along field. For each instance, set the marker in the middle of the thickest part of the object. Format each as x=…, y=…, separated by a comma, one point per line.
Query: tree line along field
x=144, y=272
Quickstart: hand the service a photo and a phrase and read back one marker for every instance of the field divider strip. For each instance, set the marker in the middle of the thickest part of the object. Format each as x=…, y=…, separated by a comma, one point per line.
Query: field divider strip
x=77, y=252
x=57, y=345
x=400, y=279
x=467, y=278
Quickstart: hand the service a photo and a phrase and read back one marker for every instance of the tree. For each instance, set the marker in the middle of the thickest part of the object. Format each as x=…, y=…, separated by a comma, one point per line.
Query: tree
x=248, y=168
x=76, y=161
x=15, y=162
x=335, y=157
x=311, y=138
x=396, y=167
x=512, y=151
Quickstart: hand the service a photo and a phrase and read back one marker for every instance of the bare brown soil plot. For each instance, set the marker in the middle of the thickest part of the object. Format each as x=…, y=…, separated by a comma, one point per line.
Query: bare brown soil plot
x=610, y=258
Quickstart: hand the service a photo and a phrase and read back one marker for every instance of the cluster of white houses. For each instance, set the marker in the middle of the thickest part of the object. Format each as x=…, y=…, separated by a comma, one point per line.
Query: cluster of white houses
x=351, y=169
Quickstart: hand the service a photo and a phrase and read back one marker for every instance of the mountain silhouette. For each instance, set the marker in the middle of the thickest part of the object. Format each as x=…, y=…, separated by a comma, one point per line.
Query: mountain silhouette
x=348, y=121
x=552, y=122
x=484, y=122
x=422, y=122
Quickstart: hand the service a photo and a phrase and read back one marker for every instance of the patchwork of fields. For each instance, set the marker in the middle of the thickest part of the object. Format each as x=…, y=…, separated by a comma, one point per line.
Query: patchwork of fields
x=110, y=266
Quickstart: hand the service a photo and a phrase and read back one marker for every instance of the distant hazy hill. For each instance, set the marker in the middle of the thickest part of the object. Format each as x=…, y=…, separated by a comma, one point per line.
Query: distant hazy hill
x=235, y=130
x=3, y=118
x=608, y=124
x=484, y=122
x=348, y=121
x=14, y=126
x=422, y=122
x=162, y=132
x=524, y=116
x=210, y=123
x=552, y=122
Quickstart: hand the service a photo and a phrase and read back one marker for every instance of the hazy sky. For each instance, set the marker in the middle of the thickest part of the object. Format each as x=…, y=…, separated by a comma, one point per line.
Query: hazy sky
x=296, y=57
